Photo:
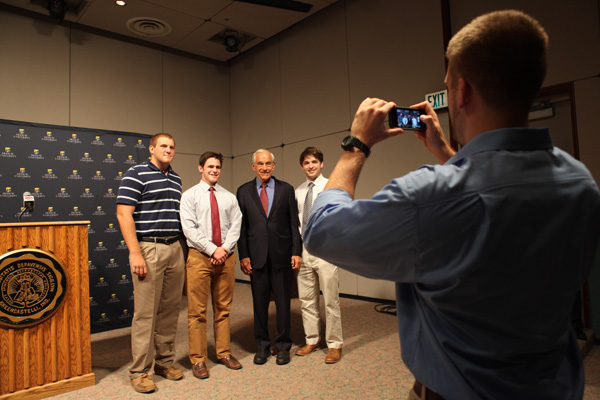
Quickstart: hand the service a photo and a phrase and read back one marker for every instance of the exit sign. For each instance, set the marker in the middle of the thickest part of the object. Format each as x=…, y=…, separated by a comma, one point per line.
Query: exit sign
x=438, y=99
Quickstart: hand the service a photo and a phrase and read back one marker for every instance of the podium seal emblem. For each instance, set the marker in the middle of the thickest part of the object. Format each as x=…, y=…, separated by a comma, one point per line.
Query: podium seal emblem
x=32, y=287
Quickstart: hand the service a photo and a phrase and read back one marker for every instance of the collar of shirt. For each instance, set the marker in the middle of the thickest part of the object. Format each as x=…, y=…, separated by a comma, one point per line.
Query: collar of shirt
x=319, y=181
x=155, y=168
x=206, y=187
x=515, y=139
x=270, y=183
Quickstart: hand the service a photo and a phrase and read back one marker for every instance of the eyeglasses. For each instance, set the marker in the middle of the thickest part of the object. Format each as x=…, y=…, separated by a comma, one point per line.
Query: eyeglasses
x=268, y=164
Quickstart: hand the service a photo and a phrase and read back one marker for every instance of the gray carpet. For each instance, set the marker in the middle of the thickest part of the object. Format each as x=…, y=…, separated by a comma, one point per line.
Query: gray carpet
x=370, y=368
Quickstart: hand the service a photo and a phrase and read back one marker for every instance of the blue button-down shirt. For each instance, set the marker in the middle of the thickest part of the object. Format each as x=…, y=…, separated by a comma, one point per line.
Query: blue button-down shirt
x=488, y=252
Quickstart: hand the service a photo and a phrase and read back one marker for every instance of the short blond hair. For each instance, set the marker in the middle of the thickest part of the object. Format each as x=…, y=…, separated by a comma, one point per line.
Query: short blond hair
x=502, y=55
x=154, y=139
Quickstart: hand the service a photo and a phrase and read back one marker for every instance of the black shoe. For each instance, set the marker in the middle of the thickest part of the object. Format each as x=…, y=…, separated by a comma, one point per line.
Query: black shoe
x=283, y=357
x=262, y=356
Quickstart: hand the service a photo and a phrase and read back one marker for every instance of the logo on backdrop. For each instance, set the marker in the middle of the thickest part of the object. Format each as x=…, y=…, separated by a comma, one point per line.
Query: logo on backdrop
x=62, y=156
x=73, y=139
x=50, y=212
x=32, y=287
x=8, y=192
x=98, y=176
x=49, y=174
x=36, y=155
x=7, y=153
x=86, y=158
x=75, y=175
x=21, y=135
x=97, y=141
x=49, y=137
x=23, y=174
x=38, y=193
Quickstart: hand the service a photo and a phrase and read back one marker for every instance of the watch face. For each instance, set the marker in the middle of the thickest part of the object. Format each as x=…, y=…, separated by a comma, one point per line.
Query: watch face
x=347, y=143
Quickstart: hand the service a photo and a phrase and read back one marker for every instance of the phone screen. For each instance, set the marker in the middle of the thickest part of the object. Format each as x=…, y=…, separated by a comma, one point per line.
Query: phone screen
x=407, y=118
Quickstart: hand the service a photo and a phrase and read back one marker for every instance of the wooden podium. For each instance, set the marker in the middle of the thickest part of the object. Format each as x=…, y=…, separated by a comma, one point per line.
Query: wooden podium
x=40, y=360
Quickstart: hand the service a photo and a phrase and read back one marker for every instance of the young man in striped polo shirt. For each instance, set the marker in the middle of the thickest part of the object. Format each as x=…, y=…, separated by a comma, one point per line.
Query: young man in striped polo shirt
x=148, y=214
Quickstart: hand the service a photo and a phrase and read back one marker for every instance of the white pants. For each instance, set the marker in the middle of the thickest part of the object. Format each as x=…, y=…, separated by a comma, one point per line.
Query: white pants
x=317, y=275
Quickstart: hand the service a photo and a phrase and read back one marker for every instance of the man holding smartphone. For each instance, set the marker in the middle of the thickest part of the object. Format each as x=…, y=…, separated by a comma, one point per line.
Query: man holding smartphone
x=487, y=249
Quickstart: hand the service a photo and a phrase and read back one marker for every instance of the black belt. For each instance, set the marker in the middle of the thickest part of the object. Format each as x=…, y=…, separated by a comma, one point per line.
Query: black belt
x=158, y=239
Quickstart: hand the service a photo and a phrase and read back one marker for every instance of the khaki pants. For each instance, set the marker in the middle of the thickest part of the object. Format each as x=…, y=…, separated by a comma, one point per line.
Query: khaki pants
x=204, y=280
x=157, y=297
x=316, y=274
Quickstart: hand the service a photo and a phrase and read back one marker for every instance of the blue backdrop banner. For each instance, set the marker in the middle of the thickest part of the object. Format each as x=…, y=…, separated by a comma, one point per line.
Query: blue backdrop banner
x=74, y=174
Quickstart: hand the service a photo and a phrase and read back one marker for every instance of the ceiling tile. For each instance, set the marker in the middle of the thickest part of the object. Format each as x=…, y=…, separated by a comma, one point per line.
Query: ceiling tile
x=195, y=8
x=262, y=21
x=193, y=22
x=104, y=14
x=198, y=42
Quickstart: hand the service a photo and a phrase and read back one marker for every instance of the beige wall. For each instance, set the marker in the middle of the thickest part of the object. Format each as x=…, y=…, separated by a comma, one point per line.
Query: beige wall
x=299, y=88
x=55, y=75
x=303, y=88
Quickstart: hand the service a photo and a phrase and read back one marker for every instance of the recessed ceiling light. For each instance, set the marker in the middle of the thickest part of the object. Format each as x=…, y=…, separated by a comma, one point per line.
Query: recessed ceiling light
x=120, y=3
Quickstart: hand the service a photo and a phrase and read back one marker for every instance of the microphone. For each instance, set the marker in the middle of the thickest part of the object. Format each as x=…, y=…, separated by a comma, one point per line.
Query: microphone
x=28, y=201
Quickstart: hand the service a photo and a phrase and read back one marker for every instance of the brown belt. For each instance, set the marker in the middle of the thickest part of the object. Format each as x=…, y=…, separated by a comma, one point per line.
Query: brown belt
x=429, y=394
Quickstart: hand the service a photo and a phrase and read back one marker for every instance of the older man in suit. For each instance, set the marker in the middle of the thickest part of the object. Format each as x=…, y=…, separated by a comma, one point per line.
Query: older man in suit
x=269, y=247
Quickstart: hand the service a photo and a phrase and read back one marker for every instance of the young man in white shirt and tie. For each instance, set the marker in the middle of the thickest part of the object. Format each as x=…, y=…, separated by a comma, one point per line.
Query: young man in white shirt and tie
x=316, y=274
x=211, y=220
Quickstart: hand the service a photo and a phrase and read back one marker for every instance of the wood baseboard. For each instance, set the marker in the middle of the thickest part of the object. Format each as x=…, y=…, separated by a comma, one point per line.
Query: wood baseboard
x=52, y=389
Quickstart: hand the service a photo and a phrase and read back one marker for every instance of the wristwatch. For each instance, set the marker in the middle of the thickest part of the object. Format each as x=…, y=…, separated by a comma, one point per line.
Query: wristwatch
x=349, y=142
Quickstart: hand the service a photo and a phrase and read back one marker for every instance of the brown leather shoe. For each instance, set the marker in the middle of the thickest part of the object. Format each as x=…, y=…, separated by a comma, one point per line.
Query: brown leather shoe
x=230, y=362
x=200, y=371
x=307, y=349
x=173, y=373
x=333, y=356
x=143, y=384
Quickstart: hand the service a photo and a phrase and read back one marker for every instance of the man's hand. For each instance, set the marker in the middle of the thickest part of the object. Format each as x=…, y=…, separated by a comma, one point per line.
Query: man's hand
x=246, y=266
x=137, y=264
x=433, y=137
x=219, y=256
x=296, y=261
x=369, y=122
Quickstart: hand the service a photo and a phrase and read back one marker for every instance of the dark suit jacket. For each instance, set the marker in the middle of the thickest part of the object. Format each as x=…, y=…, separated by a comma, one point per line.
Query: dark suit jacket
x=278, y=235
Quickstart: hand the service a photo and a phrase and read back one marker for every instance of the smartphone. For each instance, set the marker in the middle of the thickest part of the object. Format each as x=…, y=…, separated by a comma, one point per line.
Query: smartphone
x=407, y=118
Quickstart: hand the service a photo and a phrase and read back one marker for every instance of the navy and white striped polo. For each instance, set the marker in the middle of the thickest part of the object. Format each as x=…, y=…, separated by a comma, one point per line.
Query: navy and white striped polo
x=156, y=197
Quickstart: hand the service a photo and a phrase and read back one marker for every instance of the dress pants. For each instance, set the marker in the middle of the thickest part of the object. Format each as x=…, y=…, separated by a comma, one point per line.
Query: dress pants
x=317, y=274
x=204, y=280
x=263, y=281
x=157, y=297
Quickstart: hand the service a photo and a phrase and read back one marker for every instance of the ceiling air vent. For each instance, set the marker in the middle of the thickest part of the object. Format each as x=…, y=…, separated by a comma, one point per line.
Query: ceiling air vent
x=148, y=26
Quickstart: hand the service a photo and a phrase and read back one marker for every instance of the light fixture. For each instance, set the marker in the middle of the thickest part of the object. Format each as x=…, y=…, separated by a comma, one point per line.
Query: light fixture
x=231, y=41
x=57, y=8
x=120, y=3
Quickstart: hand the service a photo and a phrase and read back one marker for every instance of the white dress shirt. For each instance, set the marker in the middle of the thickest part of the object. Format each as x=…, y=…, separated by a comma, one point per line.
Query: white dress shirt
x=301, y=190
x=196, y=217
